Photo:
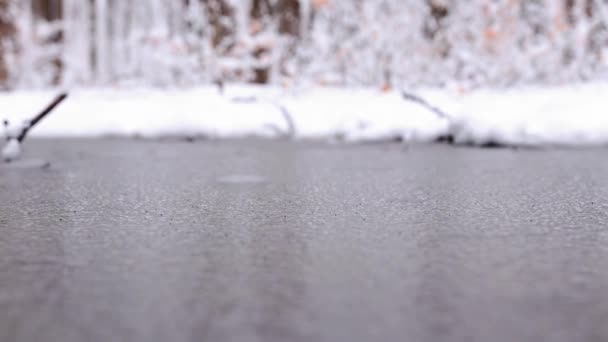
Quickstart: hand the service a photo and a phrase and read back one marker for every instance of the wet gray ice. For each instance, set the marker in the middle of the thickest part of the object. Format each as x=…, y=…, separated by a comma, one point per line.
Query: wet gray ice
x=264, y=241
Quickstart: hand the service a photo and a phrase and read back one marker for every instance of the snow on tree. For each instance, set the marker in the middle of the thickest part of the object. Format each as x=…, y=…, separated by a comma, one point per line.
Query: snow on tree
x=7, y=39
x=347, y=42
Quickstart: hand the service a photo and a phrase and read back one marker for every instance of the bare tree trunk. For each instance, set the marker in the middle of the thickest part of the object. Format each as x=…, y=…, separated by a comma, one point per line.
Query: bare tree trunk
x=101, y=43
x=7, y=32
x=219, y=10
x=51, y=10
x=289, y=20
x=47, y=9
x=288, y=15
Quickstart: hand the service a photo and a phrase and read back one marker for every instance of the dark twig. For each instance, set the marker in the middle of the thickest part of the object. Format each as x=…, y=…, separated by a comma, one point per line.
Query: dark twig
x=449, y=136
x=291, y=125
x=41, y=115
x=220, y=86
x=419, y=100
x=290, y=132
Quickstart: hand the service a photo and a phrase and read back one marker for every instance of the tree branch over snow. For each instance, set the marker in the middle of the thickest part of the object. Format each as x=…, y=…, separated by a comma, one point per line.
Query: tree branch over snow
x=449, y=137
x=11, y=151
x=26, y=128
x=419, y=100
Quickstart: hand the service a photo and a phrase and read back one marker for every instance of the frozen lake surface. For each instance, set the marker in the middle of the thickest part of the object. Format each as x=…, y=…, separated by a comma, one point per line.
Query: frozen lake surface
x=125, y=240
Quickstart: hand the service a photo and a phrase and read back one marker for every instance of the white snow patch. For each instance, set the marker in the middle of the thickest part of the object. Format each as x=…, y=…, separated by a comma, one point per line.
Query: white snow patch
x=362, y=115
x=353, y=115
x=569, y=115
x=11, y=150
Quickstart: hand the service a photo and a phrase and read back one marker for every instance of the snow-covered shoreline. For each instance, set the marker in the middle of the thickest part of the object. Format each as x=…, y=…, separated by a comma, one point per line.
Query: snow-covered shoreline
x=574, y=115
x=568, y=115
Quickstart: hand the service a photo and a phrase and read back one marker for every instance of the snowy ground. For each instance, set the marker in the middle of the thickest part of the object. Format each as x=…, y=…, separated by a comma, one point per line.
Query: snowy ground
x=570, y=115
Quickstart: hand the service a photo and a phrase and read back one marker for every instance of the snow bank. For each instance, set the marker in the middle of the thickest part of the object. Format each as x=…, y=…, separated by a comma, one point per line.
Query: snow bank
x=147, y=113
x=572, y=115
x=568, y=115
x=354, y=115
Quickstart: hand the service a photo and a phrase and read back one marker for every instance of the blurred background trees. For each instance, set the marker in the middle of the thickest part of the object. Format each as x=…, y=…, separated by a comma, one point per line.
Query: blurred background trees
x=7, y=33
x=383, y=43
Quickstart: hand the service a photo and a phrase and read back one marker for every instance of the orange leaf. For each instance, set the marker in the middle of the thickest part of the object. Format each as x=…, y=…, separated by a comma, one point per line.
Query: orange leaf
x=319, y=4
x=255, y=26
x=490, y=33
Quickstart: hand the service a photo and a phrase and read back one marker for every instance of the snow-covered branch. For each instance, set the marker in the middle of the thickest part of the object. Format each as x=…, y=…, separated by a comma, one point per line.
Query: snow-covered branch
x=15, y=134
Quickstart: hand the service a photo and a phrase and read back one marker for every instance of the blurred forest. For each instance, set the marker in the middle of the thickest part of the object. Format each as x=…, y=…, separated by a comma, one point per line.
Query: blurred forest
x=384, y=43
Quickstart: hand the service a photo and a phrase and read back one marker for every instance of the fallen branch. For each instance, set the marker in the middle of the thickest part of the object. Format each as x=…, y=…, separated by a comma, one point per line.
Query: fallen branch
x=449, y=136
x=26, y=128
x=419, y=100
x=291, y=125
x=290, y=132
x=12, y=149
